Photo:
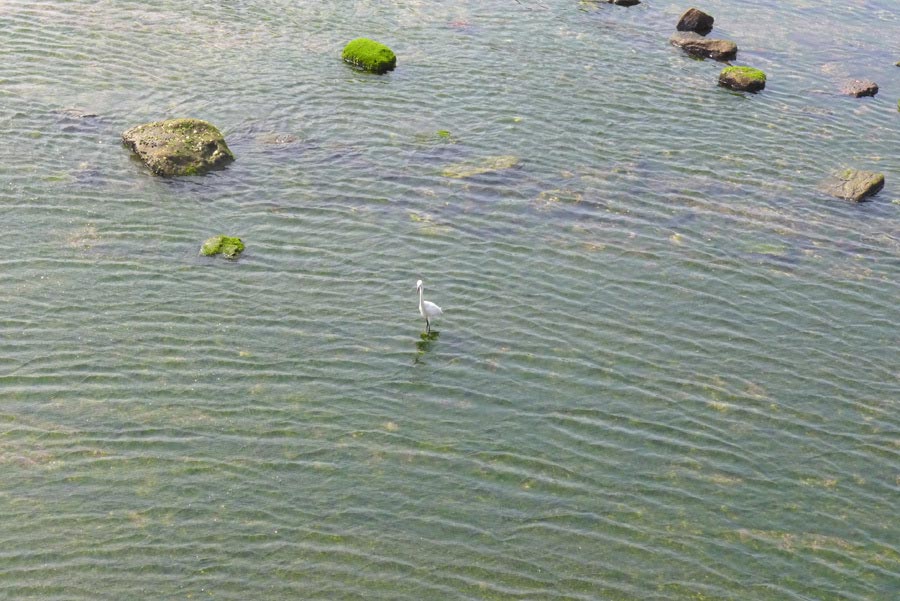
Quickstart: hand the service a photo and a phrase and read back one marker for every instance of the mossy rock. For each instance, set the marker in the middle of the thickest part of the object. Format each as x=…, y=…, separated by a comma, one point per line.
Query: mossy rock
x=179, y=146
x=228, y=246
x=855, y=185
x=742, y=79
x=369, y=55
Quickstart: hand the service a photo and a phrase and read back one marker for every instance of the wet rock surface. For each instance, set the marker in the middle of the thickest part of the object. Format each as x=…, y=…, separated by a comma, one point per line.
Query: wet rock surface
x=695, y=20
x=697, y=45
x=853, y=184
x=179, y=146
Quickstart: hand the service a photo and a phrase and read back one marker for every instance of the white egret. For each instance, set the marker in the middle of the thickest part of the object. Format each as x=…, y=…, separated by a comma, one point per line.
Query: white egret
x=427, y=309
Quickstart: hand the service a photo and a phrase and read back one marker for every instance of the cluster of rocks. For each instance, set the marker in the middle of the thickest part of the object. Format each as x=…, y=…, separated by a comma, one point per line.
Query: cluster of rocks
x=178, y=147
x=692, y=28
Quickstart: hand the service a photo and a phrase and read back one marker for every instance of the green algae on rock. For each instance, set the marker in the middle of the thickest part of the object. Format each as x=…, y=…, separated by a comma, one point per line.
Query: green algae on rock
x=369, y=55
x=855, y=185
x=179, y=146
x=742, y=79
x=228, y=246
x=488, y=165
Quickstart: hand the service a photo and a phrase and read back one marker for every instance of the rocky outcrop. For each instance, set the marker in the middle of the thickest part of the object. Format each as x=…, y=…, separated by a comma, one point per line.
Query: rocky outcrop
x=695, y=20
x=229, y=246
x=859, y=88
x=742, y=79
x=179, y=146
x=697, y=45
x=369, y=55
x=851, y=184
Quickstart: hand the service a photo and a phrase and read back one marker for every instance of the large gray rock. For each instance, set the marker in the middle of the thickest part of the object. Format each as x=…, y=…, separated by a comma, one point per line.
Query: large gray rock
x=697, y=45
x=696, y=21
x=860, y=88
x=179, y=146
x=851, y=184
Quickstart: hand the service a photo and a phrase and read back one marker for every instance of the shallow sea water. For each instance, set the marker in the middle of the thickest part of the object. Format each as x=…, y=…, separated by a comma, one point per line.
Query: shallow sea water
x=668, y=364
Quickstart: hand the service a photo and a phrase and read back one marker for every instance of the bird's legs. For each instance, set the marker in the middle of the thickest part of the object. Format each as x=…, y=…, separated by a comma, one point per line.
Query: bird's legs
x=427, y=326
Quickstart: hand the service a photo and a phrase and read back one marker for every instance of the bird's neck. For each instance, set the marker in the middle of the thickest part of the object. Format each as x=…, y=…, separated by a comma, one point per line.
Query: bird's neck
x=421, y=295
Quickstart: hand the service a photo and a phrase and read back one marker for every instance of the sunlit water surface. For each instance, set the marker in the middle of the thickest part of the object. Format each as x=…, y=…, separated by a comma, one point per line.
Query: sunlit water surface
x=668, y=364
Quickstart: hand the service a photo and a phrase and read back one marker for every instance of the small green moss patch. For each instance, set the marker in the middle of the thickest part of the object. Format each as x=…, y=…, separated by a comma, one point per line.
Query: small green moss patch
x=229, y=246
x=369, y=55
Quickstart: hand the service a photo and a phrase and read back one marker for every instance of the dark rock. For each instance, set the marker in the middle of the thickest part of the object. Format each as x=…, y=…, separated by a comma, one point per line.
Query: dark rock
x=697, y=45
x=696, y=21
x=624, y=2
x=742, y=79
x=179, y=146
x=859, y=88
x=851, y=184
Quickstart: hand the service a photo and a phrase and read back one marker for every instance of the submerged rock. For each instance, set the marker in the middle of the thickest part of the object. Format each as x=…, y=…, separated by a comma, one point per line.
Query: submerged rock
x=624, y=2
x=369, y=55
x=742, y=79
x=229, y=246
x=488, y=165
x=695, y=20
x=179, y=146
x=855, y=185
x=697, y=45
x=859, y=88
